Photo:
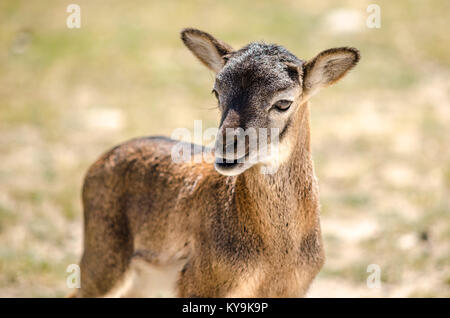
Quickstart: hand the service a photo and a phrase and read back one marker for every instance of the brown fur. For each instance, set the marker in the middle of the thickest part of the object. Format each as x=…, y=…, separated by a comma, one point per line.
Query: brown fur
x=248, y=235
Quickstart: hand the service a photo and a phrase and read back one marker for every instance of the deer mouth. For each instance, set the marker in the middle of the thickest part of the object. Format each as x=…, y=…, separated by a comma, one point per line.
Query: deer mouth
x=231, y=167
x=227, y=163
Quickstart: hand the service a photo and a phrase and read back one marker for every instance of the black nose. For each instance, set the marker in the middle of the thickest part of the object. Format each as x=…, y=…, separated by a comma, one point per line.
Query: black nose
x=234, y=144
x=230, y=146
x=226, y=145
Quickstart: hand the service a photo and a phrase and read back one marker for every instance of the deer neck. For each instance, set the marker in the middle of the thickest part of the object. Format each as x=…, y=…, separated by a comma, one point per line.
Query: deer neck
x=288, y=195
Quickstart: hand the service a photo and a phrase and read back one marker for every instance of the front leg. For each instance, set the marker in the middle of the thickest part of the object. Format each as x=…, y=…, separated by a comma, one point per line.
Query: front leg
x=212, y=278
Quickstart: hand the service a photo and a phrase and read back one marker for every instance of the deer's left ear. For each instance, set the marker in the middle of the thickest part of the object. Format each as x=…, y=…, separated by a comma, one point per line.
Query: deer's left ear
x=327, y=68
x=209, y=50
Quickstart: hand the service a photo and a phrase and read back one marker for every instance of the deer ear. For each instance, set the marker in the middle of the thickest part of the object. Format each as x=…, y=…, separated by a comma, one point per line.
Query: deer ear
x=206, y=48
x=327, y=68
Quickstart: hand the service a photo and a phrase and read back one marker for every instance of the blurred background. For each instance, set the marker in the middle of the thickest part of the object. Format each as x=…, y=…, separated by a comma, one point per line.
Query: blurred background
x=381, y=137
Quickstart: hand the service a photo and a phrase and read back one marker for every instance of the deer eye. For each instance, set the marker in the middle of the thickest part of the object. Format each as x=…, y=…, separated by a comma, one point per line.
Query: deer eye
x=282, y=105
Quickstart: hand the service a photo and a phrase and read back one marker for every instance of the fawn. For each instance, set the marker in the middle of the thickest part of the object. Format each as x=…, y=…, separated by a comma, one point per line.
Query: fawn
x=223, y=229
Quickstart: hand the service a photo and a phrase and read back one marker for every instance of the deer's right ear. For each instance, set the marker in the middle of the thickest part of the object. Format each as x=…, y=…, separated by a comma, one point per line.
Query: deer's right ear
x=206, y=48
x=327, y=68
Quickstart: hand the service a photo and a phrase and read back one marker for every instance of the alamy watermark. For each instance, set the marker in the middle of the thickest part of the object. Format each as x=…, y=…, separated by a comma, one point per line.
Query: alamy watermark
x=73, y=279
x=373, y=21
x=73, y=21
x=229, y=146
x=374, y=279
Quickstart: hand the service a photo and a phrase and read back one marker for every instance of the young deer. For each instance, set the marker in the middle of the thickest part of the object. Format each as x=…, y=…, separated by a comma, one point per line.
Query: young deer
x=231, y=230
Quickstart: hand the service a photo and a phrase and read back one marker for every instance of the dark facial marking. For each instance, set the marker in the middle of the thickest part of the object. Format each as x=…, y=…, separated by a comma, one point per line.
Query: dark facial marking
x=285, y=128
x=256, y=72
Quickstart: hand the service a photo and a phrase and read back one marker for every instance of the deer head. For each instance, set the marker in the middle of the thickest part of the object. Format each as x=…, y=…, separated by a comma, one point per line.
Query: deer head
x=262, y=87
